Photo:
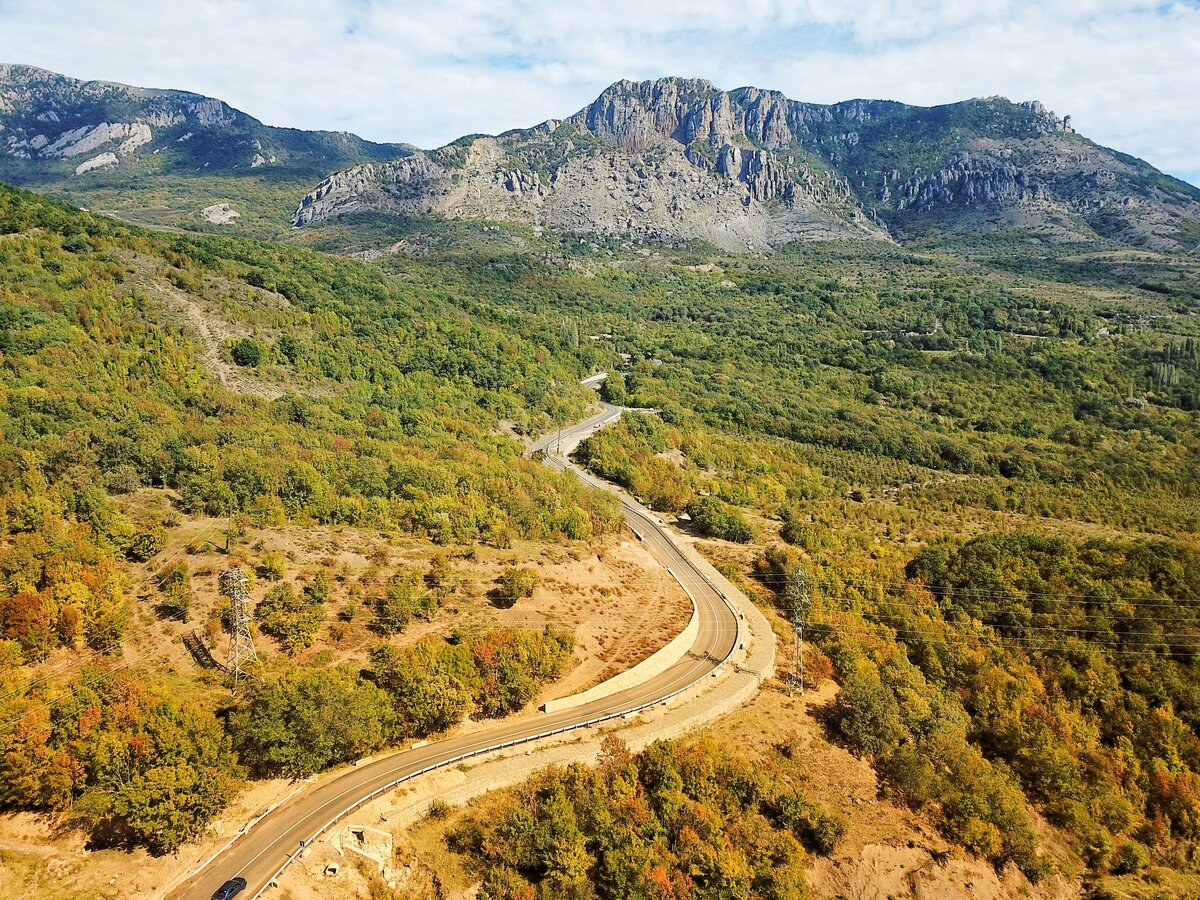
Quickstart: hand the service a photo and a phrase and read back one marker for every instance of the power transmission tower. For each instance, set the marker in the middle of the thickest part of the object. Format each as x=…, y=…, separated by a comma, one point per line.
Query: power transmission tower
x=796, y=596
x=234, y=584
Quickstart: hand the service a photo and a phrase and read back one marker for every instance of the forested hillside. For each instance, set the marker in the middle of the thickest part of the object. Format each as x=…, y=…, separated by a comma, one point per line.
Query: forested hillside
x=977, y=477
x=335, y=396
x=974, y=473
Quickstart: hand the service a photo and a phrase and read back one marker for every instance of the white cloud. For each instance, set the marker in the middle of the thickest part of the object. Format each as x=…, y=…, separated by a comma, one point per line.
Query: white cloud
x=425, y=73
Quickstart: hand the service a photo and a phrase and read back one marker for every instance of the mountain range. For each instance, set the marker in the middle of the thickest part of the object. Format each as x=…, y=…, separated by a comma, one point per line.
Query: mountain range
x=664, y=160
x=164, y=156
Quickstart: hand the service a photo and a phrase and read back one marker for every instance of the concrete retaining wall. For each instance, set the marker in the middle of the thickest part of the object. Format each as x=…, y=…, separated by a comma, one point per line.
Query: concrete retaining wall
x=705, y=703
x=738, y=681
x=654, y=664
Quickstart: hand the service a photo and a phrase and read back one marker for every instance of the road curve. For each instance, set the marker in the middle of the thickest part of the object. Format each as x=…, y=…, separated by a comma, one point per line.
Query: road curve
x=262, y=851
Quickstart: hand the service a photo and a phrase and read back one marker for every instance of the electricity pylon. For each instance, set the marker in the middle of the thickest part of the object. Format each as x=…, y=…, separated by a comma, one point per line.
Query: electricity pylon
x=798, y=601
x=234, y=584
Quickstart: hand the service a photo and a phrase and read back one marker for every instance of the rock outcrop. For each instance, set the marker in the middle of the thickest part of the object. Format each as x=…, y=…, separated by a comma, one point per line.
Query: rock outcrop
x=740, y=200
x=678, y=159
x=967, y=180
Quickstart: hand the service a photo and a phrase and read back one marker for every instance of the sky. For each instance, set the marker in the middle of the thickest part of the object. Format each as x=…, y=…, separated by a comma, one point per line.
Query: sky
x=1126, y=71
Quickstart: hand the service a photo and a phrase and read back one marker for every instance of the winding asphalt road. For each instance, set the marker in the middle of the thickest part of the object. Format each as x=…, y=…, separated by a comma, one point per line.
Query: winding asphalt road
x=262, y=851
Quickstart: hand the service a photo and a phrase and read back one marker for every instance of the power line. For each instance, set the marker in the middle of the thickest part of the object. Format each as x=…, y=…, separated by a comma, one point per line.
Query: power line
x=914, y=633
x=989, y=594
x=245, y=649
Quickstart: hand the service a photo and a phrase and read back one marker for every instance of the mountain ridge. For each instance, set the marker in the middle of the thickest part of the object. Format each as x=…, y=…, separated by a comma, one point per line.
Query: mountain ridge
x=47, y=105
x=663, y=160
x=109, y=145
x=753, y=165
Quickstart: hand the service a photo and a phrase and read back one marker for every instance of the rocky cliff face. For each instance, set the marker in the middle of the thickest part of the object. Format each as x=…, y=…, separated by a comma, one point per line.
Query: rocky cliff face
x=664, y=160
x=965, y=179
x=677, y=158
x=740, y=199
x=44, y=116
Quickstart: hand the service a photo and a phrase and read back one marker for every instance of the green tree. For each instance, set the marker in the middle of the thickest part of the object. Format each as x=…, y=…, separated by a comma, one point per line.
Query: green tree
x=868, y=716
x=427, y=700
x=309, y=719
x=246, y=351
x=146, y=544
x=175, y=583
x=293, y=621
x=613, y=390
x=404, y=598
x=517, y=583
x=715, y=518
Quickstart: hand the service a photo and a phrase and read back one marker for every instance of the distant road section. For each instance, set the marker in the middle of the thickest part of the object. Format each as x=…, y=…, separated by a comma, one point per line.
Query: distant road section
x=265, y=849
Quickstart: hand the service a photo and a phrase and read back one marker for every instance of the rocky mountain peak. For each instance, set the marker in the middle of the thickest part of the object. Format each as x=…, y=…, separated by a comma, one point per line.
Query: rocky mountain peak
x=674, y=157
x=67, y=136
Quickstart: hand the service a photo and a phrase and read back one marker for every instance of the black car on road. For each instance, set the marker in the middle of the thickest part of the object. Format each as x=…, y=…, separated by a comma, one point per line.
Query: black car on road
x=230, y=889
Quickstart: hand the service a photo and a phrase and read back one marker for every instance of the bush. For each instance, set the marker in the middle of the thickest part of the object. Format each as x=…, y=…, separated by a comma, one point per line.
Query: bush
x=427, y=698
x=676, y=820
x=404, y=598
x=517, y=583
x=1129, y=858
x=146, y=544
x=293, y=621
x=176, y=585
x=272, y=566
x=246, y=352
x=433, y=683
x=124, y=479
x=715, y=518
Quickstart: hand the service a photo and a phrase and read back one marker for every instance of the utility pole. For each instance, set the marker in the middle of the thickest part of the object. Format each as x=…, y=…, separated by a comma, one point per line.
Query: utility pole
x=798, y=603
x=234, y=584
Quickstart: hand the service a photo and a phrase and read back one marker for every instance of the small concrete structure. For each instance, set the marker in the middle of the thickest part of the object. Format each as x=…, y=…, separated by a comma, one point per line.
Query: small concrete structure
x=370, y=843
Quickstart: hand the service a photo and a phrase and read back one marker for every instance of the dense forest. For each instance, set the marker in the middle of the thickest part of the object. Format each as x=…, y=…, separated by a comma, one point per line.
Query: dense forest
x=854, y=418
x=354, y=399
x=676, y=820
x=974, y=471
x=1049, y=662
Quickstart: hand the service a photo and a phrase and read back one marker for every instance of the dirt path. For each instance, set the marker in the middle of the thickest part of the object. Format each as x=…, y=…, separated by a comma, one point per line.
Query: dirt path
x=210, y=330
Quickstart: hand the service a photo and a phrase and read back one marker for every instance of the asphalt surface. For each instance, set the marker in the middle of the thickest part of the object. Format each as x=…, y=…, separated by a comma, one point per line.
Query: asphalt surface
x=259, y=853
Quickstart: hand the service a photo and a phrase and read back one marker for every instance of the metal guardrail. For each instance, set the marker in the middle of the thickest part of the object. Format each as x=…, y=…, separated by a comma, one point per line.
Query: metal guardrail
x=493, y=748
x=542, y=735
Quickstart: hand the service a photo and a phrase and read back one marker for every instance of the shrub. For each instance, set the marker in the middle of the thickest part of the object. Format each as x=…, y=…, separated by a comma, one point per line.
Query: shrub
x=146, y=544
x=715, y=518
x=246, y=351
x=517, y=583
x=293, y=621
x=1129, y=858
x=272, y=566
